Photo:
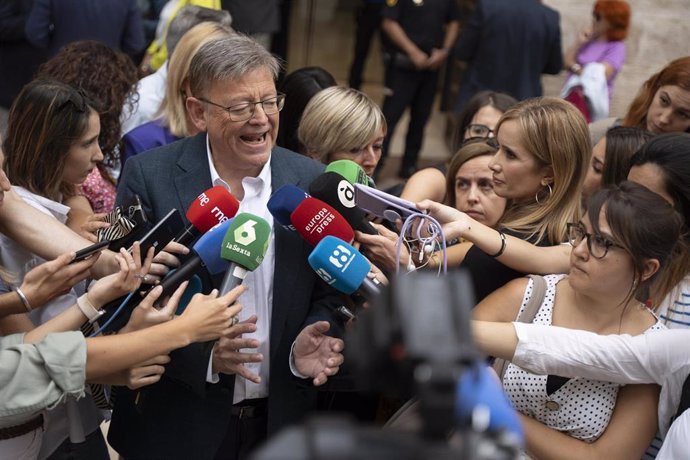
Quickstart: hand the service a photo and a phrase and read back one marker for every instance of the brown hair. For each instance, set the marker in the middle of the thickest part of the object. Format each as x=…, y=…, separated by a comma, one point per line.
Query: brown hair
x=654, y=235
x=45, y=120
x=621, y=144
x=676, y=73
x=617, y=14
x=465, y=154
x=108, y=77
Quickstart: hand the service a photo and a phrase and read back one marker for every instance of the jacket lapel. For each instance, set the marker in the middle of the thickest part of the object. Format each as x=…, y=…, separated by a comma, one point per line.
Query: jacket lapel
x=194, y=176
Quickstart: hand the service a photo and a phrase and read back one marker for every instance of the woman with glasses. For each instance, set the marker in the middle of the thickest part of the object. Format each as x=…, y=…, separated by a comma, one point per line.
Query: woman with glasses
x=612, y=264
x=477, y=121
x=172, y=122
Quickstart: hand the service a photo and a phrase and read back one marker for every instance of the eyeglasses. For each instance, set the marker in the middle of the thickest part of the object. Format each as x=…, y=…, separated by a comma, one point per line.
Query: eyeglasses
x=490, y=141
x=245, y=110
x=597, y=245
x=477, y=130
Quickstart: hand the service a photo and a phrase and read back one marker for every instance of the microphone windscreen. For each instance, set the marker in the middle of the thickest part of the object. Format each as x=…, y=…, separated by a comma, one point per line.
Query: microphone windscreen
x=246, y=241
x=349, y=170
x=212, y=207
x=207, y=247
x=313, y=220
x=339, y=264
x=284, y=201
x=337, y=191
x=478, y=389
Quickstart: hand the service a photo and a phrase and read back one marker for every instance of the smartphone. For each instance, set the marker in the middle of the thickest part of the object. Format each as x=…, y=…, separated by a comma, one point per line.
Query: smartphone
x=162, y=233
x=382, y=204
x=90, y=250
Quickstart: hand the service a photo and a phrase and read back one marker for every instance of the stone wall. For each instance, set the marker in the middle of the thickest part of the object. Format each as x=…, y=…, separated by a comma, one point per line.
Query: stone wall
x=659, y=33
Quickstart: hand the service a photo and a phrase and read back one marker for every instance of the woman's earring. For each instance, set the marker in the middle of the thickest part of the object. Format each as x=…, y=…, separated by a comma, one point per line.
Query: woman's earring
x=536, y=195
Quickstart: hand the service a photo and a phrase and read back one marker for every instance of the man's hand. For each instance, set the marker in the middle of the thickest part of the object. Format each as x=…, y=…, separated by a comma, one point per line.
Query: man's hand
x=437, y=58
x=316, y=354
x=420, y=59
x=227, y=357
x=51, y=279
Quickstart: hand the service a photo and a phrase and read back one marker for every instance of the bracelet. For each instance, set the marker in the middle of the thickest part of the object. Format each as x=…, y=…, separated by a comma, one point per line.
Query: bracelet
x=23, y=298
x=503, y=245
x=88, y=309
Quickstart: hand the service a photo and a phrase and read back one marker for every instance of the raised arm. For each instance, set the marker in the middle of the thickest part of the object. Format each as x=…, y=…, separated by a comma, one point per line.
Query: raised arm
x=517, y=254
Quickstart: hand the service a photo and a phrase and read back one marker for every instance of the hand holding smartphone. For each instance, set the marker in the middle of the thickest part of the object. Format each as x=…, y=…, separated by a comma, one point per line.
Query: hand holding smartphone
x=88, y=251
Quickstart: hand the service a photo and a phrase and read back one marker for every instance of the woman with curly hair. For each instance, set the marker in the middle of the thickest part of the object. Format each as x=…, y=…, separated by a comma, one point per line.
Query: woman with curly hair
x=108, y=76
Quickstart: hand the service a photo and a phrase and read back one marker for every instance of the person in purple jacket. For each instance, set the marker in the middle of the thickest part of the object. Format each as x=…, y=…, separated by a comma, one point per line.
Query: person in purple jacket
x=603, y=41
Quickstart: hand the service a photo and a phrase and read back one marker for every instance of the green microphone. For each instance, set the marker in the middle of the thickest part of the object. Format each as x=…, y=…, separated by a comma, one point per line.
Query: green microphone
x=244, y=246
x=351, y=171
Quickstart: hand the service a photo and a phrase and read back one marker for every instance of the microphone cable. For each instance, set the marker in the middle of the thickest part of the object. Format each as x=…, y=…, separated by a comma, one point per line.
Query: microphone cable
x=114, y=315
x=415, y=225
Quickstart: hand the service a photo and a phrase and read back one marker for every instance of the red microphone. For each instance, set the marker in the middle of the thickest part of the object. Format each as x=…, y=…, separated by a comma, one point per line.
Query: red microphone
x=314, y=220
x=212, y=207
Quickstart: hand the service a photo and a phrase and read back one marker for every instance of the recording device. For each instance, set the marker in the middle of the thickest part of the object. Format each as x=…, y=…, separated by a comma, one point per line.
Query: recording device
x=283, y=202
x=244, y=246
x=204, y=254
x=212, y=207
x=88, y=251
x=350, y=171
x=162, y=233
x=382, y=204
x=341, y=266
x=415, y=339
x=313, y=219
x=337, y=191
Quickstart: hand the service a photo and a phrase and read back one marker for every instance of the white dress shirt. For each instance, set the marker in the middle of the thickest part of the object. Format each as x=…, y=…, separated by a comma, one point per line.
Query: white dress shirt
x=662, y=358
x=258, y=298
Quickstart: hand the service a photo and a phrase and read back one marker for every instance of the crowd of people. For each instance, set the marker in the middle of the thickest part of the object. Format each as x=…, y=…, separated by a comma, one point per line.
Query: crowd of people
x=576, y=235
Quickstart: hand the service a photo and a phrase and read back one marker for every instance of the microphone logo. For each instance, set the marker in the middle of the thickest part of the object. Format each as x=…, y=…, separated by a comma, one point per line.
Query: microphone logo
x=245, y=234
x=203, y=199
x=346, y=194
x=341, y=257
x=324, y=275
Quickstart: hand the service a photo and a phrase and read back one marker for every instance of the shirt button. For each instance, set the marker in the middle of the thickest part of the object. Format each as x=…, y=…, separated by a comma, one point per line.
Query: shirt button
x=552, y=405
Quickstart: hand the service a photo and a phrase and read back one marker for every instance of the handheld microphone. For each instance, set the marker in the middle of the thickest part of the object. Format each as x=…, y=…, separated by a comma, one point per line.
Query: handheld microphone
x=283, y=202
x=342, y=266
x=335, y=190
x=212, y=207
x=313, y=219
x=205, y=253
x=482, y=404
x=350, y=171
x=244, y=246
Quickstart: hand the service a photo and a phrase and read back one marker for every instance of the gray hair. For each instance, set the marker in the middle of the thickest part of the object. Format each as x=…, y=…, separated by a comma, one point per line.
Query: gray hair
x=188, y=17
x=229, y=59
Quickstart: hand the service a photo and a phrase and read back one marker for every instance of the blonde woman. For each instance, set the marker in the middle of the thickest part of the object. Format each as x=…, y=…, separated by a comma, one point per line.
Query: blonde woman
x=542, y=160
x=172, y=121
x=342, y=123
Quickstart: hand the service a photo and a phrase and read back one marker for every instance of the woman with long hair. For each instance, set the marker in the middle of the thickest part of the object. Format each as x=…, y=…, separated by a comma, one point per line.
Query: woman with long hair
x=50, y=148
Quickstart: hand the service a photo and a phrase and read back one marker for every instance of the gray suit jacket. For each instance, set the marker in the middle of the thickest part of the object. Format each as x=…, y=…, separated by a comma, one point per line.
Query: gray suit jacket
x=182, y=416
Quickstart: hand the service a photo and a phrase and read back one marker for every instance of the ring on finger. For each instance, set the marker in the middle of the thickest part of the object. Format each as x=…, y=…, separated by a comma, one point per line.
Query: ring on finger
x=235, y=320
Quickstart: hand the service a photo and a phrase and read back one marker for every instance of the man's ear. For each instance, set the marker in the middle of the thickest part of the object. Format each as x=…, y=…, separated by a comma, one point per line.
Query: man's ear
x=197, y=112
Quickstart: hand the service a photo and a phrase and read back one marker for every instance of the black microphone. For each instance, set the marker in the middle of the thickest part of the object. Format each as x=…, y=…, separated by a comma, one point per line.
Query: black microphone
x=335, y=190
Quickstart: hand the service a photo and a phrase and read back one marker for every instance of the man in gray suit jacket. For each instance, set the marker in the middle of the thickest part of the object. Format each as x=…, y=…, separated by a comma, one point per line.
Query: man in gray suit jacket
x=219, y=401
